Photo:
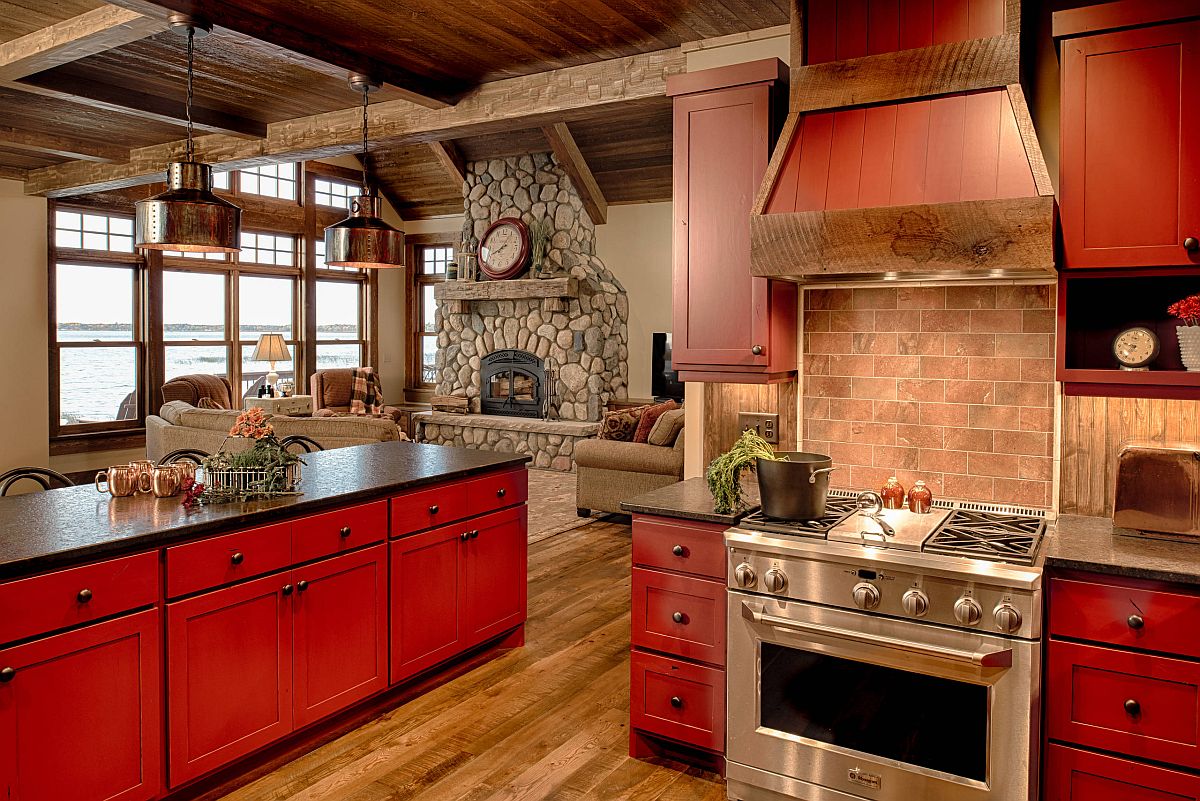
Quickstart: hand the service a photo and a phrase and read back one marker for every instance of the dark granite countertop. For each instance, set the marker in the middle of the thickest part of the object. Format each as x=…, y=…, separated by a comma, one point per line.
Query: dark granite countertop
x=43, y=530
x=690, y=500
x=1090, y=544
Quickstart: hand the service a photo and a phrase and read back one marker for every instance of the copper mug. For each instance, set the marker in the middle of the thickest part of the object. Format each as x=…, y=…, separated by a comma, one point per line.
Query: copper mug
x=186, y=470
x=164, y=481
x=120, y=481
x=144, y=467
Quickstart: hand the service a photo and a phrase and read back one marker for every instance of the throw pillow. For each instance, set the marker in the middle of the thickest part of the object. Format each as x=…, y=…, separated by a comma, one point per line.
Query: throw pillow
x=650, y=417
x=667, y=429
x=171, y=411
x=622, y=424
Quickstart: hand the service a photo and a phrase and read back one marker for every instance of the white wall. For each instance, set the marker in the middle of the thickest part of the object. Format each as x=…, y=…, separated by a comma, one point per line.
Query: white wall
x=24, y=421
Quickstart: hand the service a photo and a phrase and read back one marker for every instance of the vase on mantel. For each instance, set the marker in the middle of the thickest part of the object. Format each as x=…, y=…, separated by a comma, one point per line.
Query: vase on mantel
x=1189, y=346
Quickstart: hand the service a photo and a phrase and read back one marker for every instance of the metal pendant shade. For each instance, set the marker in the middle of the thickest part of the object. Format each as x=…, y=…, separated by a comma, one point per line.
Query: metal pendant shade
x=364, y=239
x=188, y=217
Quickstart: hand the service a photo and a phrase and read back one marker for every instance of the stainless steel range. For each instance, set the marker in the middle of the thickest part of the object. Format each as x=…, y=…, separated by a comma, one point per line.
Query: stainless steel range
x=881, y=654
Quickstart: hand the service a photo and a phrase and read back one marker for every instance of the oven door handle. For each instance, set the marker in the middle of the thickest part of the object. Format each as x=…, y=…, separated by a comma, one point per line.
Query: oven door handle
x=987, y=659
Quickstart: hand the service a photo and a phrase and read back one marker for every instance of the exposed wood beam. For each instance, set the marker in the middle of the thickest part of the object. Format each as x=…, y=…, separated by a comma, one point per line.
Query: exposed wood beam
x=419, y=89
x=13, y=173
x=58, y=145
x=586, y=91
x=451, y=160
x=571, y=159
x=70, y=40
x=170, y=110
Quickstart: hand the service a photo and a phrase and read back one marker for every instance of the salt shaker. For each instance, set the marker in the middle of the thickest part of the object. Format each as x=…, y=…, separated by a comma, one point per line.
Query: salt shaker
x=920, y=499
x=892, y=494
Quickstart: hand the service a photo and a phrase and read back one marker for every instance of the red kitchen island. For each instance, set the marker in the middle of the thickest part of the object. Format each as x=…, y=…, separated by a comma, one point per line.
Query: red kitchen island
x=147, y=651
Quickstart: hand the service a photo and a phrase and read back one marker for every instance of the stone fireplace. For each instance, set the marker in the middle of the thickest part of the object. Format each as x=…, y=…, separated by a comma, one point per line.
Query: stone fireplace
x=536, y=359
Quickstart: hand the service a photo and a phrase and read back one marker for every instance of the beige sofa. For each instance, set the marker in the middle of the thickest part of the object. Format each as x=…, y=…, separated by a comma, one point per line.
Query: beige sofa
x=611, y=471
x=180, y=425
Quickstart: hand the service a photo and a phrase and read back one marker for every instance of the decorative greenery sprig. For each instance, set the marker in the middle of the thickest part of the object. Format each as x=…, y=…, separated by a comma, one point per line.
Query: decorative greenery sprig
x=724, y=474
x=539, y=235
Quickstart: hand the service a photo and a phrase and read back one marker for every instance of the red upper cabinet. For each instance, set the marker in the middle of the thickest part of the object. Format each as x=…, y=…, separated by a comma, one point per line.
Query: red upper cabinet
x=728, y=326
x=1130, y=173
x=81, y=714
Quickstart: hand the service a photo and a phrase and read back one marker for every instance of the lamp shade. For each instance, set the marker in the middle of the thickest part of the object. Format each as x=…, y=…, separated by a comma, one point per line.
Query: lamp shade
x=188, y=216
x=363, y=239
x=271, y=348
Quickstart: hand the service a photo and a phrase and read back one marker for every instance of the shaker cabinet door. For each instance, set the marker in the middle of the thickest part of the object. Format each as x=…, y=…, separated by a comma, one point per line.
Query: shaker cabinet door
x=229, y=674
x=495, y=574
x=1130, y=181
x=81, y=714
x=427, y=596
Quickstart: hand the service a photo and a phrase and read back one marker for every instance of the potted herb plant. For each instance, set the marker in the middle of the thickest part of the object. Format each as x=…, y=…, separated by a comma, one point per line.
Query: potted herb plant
x=724, y=474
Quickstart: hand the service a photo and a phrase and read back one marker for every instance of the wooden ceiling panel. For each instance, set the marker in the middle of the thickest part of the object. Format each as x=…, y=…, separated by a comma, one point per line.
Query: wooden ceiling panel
x=23, y=17
x=415, y=183
x=32, y=113
x=25, y=160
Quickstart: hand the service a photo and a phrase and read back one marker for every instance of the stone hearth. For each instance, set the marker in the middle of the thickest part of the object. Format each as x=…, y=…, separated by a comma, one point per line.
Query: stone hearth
x=551, y=443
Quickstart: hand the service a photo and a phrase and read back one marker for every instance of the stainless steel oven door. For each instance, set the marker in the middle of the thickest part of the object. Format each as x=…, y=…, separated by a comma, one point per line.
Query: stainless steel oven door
x=832, y=704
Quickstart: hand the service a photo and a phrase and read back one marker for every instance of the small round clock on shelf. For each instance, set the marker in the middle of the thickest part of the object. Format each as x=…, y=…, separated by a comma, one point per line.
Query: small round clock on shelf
x=504, y=249
x=1135, y=348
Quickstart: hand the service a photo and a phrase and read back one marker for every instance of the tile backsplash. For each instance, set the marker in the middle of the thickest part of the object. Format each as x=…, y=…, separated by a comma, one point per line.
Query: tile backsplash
x=953, y=385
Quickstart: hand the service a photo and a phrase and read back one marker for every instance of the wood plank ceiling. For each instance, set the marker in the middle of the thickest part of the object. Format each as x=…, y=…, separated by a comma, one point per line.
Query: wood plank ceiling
x=244, y=83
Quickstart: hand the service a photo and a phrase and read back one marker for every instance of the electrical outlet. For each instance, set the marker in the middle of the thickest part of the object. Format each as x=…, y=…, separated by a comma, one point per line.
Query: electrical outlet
x=765, y=425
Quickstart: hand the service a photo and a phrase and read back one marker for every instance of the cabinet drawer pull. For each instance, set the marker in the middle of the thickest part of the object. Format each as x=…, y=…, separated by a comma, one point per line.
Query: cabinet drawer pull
x=678, y=550
x=237, y=558
x=287, y=589
x=1136, y=622
x=302, y=585
x=84, y=596
x=474, y=534
x=757, y=350
x=1133, y=708
x=678, y=617
x=433, y=510
x=500, y=493
x=7, y=675
x=466, y=535
x=677, y=702
x=345, y=532
x=1191, y=244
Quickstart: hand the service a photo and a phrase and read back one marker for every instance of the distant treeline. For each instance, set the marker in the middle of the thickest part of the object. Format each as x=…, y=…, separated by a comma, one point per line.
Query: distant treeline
x=189, y=327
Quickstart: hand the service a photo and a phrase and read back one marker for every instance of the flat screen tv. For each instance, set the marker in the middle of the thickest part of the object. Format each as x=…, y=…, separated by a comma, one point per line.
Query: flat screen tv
x=664, y=382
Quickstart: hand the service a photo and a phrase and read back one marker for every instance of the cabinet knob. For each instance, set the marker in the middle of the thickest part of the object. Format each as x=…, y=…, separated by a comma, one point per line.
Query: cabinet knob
x=7, y=675
x=678, y=550
x=500, y=493
x=433, y=510
x=302, y=585
x=84, y=596
x=1136, y=622
x=474, y=534
x=237, y=558
x=287, y=589
x=677, y=617
x=466, y=535
x=1191, y=244
x=1133, y=708
x=757, y=350
x=677, y=702
x=345, y=532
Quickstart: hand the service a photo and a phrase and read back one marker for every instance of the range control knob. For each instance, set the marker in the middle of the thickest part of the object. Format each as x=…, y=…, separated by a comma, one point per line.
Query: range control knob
x=967, y=611
x=915, y=603
x=1008, y=617
x=775, y=580
x=745, y=576
x=866, y=595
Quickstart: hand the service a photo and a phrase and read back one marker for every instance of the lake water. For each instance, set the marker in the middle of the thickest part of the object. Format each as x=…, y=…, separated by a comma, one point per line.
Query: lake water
x=95, y=382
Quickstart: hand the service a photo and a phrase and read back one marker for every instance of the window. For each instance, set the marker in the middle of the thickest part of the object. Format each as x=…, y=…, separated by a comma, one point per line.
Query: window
x=221, y=179
x=195, y=337
x=335, y=194
x=266, y=305
x=430, y=269
x=84, y=230
x=269, y=180
x=340, y=337
x=197, y=255
x=276, y=249
x=319, y=248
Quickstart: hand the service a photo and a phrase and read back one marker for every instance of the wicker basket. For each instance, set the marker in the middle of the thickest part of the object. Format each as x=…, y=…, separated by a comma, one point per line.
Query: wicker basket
x=253, y=481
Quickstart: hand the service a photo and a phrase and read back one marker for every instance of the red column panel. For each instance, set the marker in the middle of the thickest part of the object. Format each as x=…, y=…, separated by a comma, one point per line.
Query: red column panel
x=845, y=159
x=812, y=178
x=1015, y=178
x=783, y=194
x=947, y=119
x=986, y=18
x=912, y=150
x=851, y=29
x=879, y=143
x=916, y=23
x=883, y=34
x=981, y=144
x=822, y=31
x=951, y=21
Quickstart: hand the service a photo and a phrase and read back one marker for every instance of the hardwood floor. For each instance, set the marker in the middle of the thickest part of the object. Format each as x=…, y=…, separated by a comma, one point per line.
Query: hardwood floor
x=546, y=721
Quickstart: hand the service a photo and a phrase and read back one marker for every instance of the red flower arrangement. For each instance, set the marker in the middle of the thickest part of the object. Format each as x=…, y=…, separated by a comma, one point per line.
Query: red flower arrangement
x=1187, y=310
x=252, y=423
x=192, y=491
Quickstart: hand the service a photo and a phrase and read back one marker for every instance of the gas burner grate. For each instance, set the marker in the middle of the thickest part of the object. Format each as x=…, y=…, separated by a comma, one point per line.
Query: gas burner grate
x=997, y=536
x=837, y=509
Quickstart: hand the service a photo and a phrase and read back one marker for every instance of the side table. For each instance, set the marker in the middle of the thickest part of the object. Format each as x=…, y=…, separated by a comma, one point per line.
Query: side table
x=291, y=406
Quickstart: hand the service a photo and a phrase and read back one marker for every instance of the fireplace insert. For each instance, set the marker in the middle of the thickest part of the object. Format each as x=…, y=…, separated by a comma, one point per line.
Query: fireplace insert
x=513, y=383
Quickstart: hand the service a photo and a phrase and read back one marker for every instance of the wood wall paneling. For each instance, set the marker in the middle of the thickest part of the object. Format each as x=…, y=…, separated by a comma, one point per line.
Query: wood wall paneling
x=722, y=402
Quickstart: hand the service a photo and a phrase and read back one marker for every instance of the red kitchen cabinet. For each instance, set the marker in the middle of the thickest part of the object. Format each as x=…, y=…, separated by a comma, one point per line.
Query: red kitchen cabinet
x=340, y=633
x=229, y=674
x=728, y=326
x=1074, y=775
x=427, y=597
x=494, y=574
x=1130, y=178
x=81, y=714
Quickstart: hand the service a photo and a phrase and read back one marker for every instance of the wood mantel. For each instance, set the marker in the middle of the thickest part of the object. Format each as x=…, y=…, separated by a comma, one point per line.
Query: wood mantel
x=553, y=292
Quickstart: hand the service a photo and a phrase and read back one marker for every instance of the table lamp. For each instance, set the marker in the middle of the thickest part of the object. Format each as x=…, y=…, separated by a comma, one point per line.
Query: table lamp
x=271, y=348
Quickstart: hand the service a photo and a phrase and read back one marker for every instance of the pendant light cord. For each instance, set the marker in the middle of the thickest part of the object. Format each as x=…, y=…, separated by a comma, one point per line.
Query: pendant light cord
x=365, y=93
x=191, y=54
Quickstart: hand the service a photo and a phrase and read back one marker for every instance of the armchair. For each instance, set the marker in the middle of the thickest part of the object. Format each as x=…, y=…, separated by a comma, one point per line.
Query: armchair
x=331, y=390
x=192, y=389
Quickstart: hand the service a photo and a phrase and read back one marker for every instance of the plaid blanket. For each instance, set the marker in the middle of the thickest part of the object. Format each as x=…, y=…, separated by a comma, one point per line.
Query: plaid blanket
x=366, y=397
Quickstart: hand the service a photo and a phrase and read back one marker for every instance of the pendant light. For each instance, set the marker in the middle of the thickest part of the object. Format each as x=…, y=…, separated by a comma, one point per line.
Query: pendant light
x=363, y=239
x=188, y=216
